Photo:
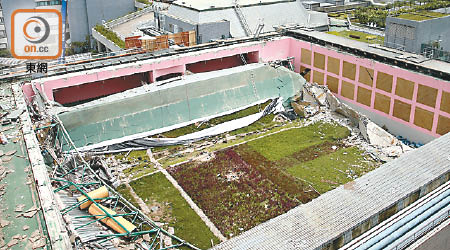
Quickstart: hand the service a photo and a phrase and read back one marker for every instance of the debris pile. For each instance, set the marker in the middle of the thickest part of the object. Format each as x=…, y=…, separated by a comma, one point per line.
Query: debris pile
x=316, y=102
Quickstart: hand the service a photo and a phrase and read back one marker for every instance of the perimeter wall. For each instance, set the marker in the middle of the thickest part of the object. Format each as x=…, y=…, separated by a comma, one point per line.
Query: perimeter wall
x=406, y=103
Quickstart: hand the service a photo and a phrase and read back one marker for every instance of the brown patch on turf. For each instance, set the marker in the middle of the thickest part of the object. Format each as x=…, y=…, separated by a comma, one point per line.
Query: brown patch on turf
x=313, y=152
x=276, y=175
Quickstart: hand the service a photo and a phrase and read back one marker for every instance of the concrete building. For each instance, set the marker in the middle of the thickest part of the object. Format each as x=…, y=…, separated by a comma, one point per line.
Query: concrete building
x=82, y=15
x=224, y=19
x=334, y=5
x=3, y=37
x=8, y=6
x=410, y=35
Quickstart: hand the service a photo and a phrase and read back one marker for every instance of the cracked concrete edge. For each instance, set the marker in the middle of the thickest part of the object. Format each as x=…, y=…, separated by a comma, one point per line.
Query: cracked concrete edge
x=59, y=238
x=188, y=199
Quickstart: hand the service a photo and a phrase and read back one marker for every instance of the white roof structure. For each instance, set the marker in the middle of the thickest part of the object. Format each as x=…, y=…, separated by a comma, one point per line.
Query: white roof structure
x=270, y=12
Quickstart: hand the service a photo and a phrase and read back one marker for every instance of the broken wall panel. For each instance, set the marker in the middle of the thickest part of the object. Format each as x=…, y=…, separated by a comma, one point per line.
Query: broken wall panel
x=179, y=102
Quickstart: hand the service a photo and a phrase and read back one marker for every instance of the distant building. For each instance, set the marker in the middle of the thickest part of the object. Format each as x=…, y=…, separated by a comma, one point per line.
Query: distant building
x=230, y=18
x=82, y=15
x=3, y=37
x=412, y=32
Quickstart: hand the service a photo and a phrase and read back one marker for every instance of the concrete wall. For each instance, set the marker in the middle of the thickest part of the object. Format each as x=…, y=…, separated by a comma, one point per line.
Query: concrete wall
x=103, y=41
x=213, y=31
x=85, y=14
x=78, y=20
x=183, y=24
x=11, y=5
x=411, y=34
x=205, y=31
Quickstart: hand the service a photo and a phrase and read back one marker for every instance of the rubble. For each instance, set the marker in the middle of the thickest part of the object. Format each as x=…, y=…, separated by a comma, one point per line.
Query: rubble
x=377, y=140
x=13, y=242
x=4, y=223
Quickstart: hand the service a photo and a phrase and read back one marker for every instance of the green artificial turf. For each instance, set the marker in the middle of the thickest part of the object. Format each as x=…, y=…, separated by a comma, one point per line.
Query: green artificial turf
x=285, y=143
x=329, y=171
x=364, y=37
x=421, y=16
x=218, y=120
x=188, y=225
x=125, y=192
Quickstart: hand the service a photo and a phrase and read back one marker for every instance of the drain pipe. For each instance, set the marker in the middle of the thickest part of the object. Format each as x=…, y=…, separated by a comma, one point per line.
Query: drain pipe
x=407, y=223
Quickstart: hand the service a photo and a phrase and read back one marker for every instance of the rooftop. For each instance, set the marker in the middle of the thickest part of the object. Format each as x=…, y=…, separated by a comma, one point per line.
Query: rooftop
x=422, y=16
x=201, y=5
x=437, y=68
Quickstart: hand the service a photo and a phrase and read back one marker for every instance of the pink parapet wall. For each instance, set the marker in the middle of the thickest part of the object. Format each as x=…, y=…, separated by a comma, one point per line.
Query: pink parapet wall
x=410, y=98
x=407, y=97
x=267, y=51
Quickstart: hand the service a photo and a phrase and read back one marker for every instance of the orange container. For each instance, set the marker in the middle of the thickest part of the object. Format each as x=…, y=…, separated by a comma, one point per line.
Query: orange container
x=97, y=194
x=94, y=210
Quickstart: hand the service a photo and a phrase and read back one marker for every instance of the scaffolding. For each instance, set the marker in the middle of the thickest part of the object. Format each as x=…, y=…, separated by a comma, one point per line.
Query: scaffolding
x=429, y=50
x=72, y=176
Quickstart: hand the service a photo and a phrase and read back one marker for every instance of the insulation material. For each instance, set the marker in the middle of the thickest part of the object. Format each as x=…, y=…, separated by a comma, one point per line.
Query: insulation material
x=427, y=95
x=404, y=88
x=348, y=90
x=95, y=210
x=364, y=96
x=443, y=126
x=445, y=102
x=333, y=84
x=402, y=110
x=384, y=82
x=191, y=99
x=96, y=195
x=366, y=75
x=319, y=60
x=306, y=56
x=120, y=145
x=382, y=103
x=333, y=65
x=349, y=70
x=318, y=77
x=423, y=118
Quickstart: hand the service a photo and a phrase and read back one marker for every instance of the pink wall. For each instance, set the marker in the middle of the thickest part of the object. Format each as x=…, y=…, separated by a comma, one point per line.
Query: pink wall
x=417, y=78
x=215, y=64
x=96, y=89
x=269, y=51
x=165, y=71
x=175, y=64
